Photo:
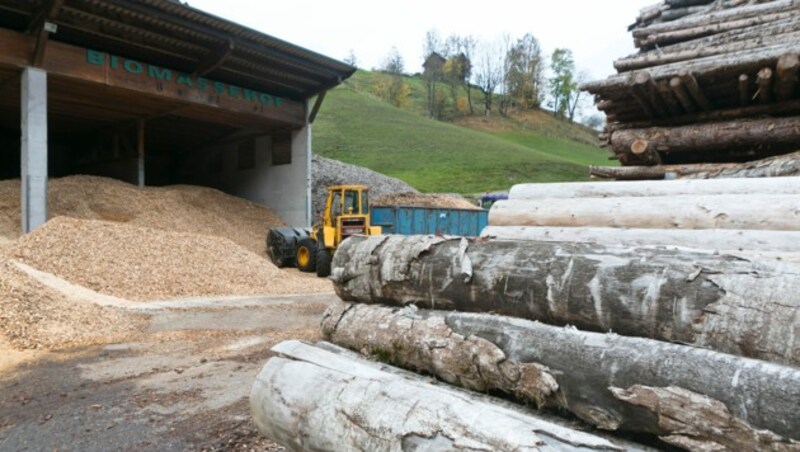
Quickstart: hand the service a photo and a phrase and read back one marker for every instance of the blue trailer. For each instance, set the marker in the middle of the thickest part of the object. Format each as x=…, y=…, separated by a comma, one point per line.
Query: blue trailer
x=429, y=221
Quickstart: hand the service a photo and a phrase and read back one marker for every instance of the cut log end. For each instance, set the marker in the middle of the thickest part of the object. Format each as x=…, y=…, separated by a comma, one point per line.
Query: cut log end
x=639, y=147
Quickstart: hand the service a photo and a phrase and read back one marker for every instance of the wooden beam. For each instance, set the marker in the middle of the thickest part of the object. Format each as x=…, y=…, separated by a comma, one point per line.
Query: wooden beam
x=41, y=29
x=136, y=79
x=317, y=105
x=215, y=58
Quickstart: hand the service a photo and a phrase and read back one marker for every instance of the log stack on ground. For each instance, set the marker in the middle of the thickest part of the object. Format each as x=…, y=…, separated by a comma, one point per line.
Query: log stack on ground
x=714, y=81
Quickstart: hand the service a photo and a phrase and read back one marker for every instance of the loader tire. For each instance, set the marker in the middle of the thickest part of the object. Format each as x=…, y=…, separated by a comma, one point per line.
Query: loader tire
x=306, y=256
x=324, y=263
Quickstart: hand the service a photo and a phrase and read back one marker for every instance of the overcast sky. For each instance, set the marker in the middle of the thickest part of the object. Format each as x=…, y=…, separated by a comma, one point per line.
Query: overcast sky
x=596, y=31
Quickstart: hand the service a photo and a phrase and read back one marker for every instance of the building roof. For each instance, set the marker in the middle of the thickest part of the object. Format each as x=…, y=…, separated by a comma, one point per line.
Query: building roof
x=175, y=35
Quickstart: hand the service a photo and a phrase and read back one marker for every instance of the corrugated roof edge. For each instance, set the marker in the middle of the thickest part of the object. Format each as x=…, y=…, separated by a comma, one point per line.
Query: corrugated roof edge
x=241, y=31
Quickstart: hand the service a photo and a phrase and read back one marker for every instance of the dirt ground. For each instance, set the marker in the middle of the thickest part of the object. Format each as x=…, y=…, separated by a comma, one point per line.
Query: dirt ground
x=182, y=384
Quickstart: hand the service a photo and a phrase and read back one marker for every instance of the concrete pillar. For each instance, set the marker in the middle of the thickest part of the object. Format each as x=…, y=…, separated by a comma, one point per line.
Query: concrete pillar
x=140, y=151
x=309, y=176
x=33, y=153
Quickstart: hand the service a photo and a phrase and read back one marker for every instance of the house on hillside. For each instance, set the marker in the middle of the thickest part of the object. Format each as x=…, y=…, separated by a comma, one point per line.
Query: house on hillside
x=434, y=64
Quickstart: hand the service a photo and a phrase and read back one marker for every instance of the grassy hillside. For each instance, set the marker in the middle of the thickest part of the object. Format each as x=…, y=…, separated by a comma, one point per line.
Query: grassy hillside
x=472, y=155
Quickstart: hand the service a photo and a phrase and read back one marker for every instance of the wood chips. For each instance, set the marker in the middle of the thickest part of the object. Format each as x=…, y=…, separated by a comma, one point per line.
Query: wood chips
x=33, y=316
x=197, y=210
x=144, y=264
x=433, y=200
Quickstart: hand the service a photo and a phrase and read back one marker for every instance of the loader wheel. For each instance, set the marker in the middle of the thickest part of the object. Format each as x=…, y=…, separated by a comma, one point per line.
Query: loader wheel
x=323, y=263
x=306, y=256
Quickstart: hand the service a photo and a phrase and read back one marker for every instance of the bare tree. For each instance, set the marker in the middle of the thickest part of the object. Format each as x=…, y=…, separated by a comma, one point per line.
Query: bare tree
x=576, y=95
x=489, y=73
x=351, y=59
x=393, y=63
x=468, y=45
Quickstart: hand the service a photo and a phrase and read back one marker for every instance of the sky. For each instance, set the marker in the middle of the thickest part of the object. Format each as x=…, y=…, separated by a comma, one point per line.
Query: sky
x=596, y=31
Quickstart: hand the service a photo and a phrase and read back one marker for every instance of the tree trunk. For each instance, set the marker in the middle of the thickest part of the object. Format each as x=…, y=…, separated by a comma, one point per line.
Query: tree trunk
x=770, y=212
x=775, y=133
x=771, y=186
x=581, y=372
x=766, y=244
x=779, y=166
x=725, y=303
x=311, y=399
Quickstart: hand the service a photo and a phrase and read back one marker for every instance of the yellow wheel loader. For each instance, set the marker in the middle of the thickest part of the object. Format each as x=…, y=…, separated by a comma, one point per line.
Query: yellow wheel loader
x=346, y=213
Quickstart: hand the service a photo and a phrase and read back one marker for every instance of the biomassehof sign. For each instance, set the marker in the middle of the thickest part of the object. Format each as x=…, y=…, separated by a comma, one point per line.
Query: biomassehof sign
x=187, y=85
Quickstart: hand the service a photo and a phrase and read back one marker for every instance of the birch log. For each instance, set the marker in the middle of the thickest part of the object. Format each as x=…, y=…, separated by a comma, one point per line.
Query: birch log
x=782, y=245
x=310, y=399
x=598, y=377
x=770, y=212
x=724, y=303
x=763, y=186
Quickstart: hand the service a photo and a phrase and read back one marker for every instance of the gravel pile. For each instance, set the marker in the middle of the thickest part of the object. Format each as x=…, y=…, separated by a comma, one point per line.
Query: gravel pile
x=33, y=316
x=326, y=172
x=146, y=264
x=197, y=210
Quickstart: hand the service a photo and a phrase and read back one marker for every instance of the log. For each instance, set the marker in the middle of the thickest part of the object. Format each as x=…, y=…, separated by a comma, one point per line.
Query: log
x=745, y=61
x=764, y=82
x=783, y=246
x=603, y=379
x=686, y=34
x=771, y=212
x=778, y=166
x=309, y=398
x=771, y=186
x=690, y=82
x=786, y=70
x=673, y=105
x=720, y=240
x=719, y=44
x=678, y=88
x=743, y=134
x=720, y=17
x=744, y=90
x=646, y=92
x=725, y=303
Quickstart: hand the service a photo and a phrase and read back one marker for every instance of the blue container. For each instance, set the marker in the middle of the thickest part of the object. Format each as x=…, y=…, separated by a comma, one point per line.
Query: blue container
x=429, y=221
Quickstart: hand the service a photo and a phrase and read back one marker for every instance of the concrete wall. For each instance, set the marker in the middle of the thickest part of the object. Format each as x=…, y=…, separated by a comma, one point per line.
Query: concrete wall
x=284, y=188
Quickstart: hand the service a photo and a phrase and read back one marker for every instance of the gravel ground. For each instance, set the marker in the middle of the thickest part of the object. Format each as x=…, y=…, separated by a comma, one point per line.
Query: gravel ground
x=173, y=387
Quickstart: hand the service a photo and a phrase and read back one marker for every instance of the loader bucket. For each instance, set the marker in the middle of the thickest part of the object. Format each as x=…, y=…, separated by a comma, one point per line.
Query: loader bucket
x=282, y=244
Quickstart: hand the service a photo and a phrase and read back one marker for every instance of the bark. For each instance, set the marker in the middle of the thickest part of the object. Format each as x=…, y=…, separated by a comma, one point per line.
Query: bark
x=311, y=399
x=588, y=369
x=720, y=17
x=770, y=212
x=725, y=303
x=745, y=61
x=730, y=241
x=781, y=108
x=709, y=137
x=764, y=82
x=771, y=186
x=686, y=34
x=779, y=166
x=787, y=68
x=697, y=49
x=695, y=421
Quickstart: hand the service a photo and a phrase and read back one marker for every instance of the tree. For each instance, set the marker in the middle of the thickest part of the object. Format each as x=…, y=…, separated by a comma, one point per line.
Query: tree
x=468, y=45
x=489, y=73
x=525, y=65
x=393, y=63
x=433, y=49
x=351, y=59
x=575, y=97
x=562, y=84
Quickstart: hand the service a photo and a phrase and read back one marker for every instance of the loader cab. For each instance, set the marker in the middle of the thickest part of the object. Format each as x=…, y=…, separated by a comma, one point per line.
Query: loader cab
x=346, y=213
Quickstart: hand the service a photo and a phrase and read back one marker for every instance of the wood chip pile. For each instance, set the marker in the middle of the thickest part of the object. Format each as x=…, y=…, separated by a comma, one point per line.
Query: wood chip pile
x=714, y=81
x=139, y=263
x=192, y=209
x=432, y=200
x=33, y=316
x=676, y=333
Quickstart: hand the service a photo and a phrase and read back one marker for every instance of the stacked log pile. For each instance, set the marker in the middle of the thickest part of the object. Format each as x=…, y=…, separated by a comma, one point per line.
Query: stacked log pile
x=714, y=81
x=665, y=335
